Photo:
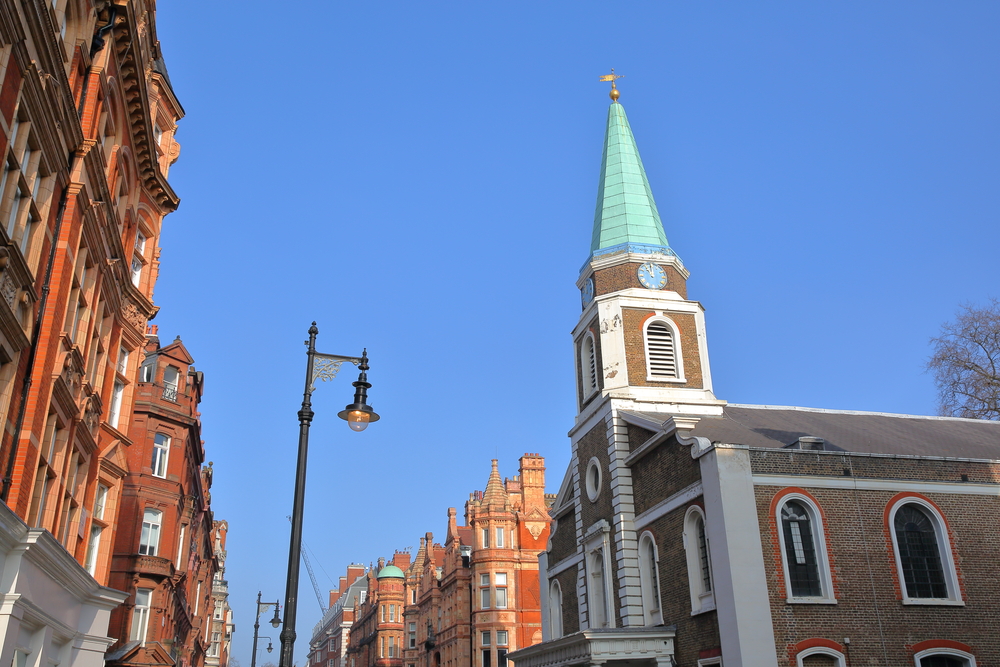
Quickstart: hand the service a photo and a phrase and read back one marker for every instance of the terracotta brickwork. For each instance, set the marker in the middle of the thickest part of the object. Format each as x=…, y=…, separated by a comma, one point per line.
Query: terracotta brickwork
x=168, y=546
x=635, y=348
x=625, y=276
x=467, y=601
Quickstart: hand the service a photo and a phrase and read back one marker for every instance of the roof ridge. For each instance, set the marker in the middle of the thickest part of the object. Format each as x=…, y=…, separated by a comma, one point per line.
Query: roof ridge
x=860, y=412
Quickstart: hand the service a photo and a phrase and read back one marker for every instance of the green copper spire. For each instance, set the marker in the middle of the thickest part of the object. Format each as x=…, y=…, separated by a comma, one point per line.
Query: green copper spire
x=626, y=213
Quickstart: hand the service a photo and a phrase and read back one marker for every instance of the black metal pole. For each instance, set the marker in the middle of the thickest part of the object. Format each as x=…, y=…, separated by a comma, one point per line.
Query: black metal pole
x=256, y=626
x=295, y=543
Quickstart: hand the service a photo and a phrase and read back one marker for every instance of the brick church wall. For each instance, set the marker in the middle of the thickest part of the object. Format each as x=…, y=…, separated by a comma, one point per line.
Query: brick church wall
x=862, y=562
x=635, y=348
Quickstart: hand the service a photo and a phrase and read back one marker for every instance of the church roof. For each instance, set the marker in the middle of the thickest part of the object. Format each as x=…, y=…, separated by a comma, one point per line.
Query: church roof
x=843, y=430
x=626, y=213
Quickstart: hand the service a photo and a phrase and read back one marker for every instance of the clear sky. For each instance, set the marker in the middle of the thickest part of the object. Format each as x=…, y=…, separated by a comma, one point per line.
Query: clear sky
x=420, y=179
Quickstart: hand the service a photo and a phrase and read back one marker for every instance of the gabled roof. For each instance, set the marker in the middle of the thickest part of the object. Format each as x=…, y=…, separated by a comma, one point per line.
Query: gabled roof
x=862, y=432
x=626, y=212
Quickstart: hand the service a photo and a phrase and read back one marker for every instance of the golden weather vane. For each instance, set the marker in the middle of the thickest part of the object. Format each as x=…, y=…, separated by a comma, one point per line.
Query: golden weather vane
x=612, y=78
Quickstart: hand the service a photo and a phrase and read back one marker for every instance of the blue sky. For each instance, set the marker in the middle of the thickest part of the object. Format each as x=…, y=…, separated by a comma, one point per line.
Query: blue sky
x=421, y=180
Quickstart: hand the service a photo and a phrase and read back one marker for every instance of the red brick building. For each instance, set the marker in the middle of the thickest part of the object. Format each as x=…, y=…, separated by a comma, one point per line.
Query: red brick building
x=693, y=532
x=87, y=120
x=331, y=635
x=166, y=546
x=466, y=602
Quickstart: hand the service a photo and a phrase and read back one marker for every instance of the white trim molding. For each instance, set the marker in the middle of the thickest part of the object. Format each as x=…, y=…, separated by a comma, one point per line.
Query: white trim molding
x=818, y=536
x=820, y=650
x=954, y=596
x=950, y=652
x=695, y=541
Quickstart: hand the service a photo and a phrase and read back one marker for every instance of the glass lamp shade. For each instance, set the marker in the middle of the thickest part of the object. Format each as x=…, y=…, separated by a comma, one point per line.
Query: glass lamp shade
x=358, y=420
x=269, y=647
x=275, y=622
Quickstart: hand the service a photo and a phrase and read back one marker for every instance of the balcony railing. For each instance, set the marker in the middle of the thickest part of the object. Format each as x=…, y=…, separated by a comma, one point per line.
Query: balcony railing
x=170, y=393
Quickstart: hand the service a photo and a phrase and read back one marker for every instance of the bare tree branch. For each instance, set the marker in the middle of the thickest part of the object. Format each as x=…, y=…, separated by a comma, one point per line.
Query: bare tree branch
x=966, y=363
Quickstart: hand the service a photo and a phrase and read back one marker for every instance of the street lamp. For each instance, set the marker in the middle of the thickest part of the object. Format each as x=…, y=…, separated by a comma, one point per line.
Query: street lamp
x=358, y=415
x=275, y=622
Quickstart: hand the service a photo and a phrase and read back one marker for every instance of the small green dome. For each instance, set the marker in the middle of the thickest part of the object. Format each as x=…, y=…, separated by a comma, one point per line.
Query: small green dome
x=390, y=572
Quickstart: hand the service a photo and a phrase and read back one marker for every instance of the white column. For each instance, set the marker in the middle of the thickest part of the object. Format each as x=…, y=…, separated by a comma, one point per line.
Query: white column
x=740, y=584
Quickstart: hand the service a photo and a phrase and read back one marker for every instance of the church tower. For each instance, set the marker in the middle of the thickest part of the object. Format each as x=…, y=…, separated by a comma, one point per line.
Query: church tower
x=640, y=342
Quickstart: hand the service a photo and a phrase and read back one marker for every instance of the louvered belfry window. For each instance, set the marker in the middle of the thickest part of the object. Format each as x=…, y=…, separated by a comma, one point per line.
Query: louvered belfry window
x=588, y=362
x=661, y=356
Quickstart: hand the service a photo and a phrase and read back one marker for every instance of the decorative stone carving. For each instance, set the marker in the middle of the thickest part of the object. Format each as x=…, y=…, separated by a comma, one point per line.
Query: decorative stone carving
x=134, y=316
x=8, y=289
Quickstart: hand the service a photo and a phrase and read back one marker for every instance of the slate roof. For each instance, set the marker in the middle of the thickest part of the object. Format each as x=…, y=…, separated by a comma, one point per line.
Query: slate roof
x=864, y=432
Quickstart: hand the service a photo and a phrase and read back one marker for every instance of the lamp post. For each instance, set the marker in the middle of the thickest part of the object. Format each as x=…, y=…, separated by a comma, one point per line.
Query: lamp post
x=275, y=622
x=358, y=415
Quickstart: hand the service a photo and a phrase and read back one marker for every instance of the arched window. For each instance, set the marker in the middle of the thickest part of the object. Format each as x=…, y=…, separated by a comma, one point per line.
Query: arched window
x=588, y=365
x=649, y=580
x=943, y=657
x=923, y=553
x=663, y=354
x=699, y=561
x=597, y=604
x=820, y=657
x=555, y=609
x=803, y=550
x=149, y=540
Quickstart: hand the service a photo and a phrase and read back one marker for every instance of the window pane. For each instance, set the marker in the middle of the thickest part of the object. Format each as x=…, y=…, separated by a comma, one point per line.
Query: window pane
x=501, y=598
x=501, y=637
x=800, y=551
x=919, y=555
x=486, y=637
x=943, y=661
x=485, y=594
x=706, y=574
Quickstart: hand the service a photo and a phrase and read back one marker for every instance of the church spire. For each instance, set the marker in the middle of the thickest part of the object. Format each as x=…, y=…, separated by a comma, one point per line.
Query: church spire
x=626, y=212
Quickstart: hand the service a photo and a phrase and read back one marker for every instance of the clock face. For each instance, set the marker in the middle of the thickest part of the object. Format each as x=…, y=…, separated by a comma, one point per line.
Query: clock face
x=652, y=276
x=588, y=291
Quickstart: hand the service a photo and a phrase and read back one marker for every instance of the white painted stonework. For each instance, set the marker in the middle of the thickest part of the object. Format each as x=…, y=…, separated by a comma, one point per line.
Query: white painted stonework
x=51, y=610
x=597, y=647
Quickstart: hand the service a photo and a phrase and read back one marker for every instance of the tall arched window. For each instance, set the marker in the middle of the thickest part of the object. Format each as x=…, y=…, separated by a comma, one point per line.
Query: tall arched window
x=663, y=355
x=919, y=554
x=923, y=553
x=699, y=561
x=555, y=609
x=588, y=365
x=803, y=550
x=597, y=604
x=649, y=580
x=149, y=540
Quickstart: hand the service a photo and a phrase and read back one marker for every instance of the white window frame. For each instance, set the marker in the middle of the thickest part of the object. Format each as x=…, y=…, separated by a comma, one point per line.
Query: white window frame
x=180, y=546
x=820, y=650
x=150, y=538
x=93, y=549
x=651, y=604
x=161, y=455
x=944, y=545
x=485, y=534
x=506, y=638
x=555, y=609
x=701, y=600
x=140, y=616
x=588, y=365
x=593, y=486
x=678, y=355
x=499, y=534
x=596, y=544
x=949, y=652
x=819, y=544
x=115, y=409
x=500, y=581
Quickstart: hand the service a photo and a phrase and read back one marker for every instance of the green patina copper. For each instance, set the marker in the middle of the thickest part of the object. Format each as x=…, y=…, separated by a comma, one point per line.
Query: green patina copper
x=626, y=212
x=390, y=572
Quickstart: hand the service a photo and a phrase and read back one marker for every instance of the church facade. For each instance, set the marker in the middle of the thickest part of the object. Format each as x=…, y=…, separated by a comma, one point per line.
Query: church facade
x=689, y=531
